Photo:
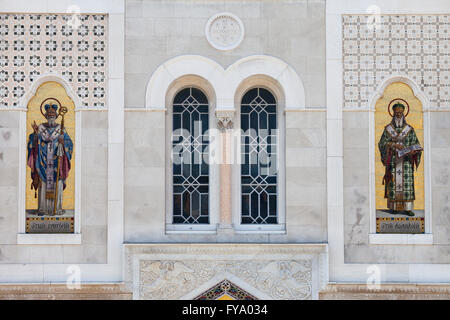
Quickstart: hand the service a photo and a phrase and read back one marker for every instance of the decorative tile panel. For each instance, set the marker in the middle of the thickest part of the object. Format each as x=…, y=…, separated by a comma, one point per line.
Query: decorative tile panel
x=35, y=44
x=375, y=48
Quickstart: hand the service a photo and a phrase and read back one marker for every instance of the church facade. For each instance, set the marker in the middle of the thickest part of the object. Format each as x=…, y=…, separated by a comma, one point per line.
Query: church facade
x=258, y=149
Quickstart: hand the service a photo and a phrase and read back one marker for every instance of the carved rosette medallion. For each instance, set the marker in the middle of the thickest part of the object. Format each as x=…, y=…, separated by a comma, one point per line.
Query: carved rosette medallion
x=224, y=31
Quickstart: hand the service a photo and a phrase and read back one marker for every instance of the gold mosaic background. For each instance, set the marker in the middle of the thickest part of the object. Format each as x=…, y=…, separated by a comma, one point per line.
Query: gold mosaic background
x=415, y=119
x=54, y=90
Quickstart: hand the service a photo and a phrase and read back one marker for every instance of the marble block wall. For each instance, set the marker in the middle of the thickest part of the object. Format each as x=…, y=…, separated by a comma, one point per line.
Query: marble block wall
x=9, y=166
x=145, y=162
x=94, y=166
x=356, y=196
x=306, y=176
x=440, y=171
x=157, y=31
x=144, y=185
x=356, y=177
x=94, y=194
x=43, y=43
x=406, y=45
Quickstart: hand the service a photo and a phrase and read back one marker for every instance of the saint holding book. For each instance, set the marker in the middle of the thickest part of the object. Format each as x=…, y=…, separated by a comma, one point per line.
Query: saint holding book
x=400, y=152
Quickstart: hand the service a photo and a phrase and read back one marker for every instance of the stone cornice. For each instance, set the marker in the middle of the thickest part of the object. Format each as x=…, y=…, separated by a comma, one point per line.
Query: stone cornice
x=340, y=290
x=52, y=291
x=203, y=248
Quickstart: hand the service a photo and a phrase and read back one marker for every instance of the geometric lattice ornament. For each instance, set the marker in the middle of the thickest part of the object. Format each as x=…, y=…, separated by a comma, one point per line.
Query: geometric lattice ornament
x=190, y=157
x=258, y=157
x=74, y=47
x=376, y=47
x=225, y=290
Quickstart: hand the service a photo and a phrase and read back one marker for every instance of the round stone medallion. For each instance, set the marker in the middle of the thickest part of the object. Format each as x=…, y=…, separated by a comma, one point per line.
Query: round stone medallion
x=224, y=31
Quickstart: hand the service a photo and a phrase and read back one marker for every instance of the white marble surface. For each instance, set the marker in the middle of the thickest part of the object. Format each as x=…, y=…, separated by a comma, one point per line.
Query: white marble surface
x=50, y=263
x=183, y=271
x=340, y=268
x=162, y=30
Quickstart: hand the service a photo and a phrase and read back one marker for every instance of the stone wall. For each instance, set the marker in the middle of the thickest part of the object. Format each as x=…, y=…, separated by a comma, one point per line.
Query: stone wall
x=400, y=291
x=356, y=179
x=440, y=170
x=145, y=161
x=306, y=183
x=62, y=292
x=157, y=31
x=36, y=45
x=356, y=196
x=94, y=168
x=405, y=46
x=9, y=171
x=144, y=176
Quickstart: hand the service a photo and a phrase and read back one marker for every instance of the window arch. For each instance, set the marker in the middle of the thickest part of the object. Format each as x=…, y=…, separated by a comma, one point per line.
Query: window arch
x=260, y=205
x=259, y=142
x=192, y=189
x=190, y=169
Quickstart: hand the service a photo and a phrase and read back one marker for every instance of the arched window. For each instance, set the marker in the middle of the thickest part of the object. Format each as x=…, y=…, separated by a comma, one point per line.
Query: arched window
x=190, y=169
x=259, y=144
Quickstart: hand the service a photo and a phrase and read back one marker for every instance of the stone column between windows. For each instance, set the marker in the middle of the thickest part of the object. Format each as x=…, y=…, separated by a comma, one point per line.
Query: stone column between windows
x=225, y=125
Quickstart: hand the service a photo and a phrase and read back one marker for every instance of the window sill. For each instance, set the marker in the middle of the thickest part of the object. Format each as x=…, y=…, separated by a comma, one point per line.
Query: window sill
x=191, y=229
x=36, y=238
x=377, y=238
x=267, y=228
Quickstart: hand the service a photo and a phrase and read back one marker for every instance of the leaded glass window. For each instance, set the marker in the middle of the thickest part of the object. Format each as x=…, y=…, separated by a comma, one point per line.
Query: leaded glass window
x=190, y=157
x=259, y=157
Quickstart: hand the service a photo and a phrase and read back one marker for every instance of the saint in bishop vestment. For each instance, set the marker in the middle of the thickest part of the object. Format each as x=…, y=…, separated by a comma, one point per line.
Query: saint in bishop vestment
x=49, y=153
x=400, y=153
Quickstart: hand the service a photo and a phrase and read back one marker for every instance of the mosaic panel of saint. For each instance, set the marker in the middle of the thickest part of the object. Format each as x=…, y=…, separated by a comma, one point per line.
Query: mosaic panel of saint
x=49, y=153
x=399, y=161
x=400, y=151
x=50, y=178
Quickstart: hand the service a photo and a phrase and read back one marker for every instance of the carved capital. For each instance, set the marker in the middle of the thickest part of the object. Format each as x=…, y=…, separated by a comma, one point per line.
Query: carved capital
x=224, y=119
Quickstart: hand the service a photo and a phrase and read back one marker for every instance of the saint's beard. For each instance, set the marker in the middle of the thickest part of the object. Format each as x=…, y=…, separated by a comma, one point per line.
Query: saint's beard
x=51, y=121
x=399, y=121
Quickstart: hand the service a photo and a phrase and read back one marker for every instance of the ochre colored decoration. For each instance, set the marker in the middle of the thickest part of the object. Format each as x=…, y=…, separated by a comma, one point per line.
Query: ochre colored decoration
x=393, y=93
x=408, y=225
x=226, y=297
x=59, y=97
x=225, y=290
x=49, y=225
